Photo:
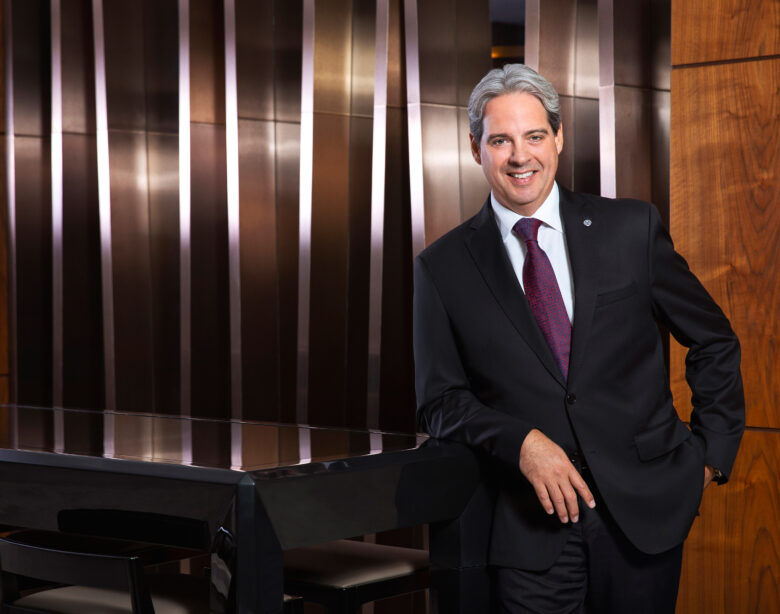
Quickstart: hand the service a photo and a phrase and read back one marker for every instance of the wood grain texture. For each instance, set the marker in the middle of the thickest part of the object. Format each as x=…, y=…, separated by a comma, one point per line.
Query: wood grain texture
x=731, y=563
x=725, y=133
x=709, y=31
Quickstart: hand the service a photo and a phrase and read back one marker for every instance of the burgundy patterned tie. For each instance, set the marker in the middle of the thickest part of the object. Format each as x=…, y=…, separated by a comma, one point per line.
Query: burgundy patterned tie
x=544, y=295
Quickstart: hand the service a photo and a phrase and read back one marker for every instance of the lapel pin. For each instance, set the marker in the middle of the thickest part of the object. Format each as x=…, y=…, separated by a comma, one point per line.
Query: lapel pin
x=587, y=222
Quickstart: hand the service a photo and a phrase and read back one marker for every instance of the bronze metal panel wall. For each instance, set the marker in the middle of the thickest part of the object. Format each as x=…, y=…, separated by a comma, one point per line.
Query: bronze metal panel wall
x=396, y=87
x=361, y=89
x=6, y=247
x=661, y=155
x=123, y=25
x=81, y=333
x=33, y=261
x=329, y=269
x=642, y=50
x=634, y=81
x=633, y=118
x=454, y=54
x=287, y=152
x=565, y=174
x=83, y=433
x=397, y=370
x=585, y=141
x=344, y=42
x=259, y=271
x=472, y=46
x=207, y=62
x=369, y=53
x=551, y=41
x=437, y=24
x=332, y=56
x=161, y=64
x=562, y=44
x=288, y=32
x=255, y=55
x=586, y=51
x=163, y=159
x=78, y=76
x=210, y=309
x=31, y=50
x=474, y=188
x=441, y=161
x=132, y=292
x=359, y=233
x=82, y=359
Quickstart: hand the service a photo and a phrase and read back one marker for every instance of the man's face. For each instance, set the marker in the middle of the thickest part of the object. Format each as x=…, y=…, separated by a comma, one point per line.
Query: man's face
x=518, y=151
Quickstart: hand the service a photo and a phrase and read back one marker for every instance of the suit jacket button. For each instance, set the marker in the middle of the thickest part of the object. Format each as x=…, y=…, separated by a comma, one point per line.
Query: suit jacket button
x=571, y=399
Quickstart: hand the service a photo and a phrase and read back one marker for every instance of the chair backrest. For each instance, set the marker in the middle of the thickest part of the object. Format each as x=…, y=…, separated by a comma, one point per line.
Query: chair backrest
x=70, y=567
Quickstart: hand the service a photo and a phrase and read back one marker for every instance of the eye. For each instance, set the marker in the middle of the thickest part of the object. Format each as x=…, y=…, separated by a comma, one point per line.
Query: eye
x=499, y=141
x=535, y=138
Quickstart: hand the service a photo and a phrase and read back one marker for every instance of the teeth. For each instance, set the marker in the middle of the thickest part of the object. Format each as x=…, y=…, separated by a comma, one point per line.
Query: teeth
x=525, y=175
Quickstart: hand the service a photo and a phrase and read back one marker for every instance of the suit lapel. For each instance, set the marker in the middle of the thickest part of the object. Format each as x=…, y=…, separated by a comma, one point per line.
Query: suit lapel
x=581, y=225
x=488, y=251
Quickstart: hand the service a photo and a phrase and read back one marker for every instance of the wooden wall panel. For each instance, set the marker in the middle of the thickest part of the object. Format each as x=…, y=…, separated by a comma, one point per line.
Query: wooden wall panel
x=724, y=220
x=706, y=31
x=733, y=552
x=724, y=214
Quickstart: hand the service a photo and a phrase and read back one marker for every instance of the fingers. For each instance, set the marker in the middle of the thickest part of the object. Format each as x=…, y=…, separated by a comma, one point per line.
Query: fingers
x=584, y=492
x=560, y=496
x=709, y=475
x=555, y=480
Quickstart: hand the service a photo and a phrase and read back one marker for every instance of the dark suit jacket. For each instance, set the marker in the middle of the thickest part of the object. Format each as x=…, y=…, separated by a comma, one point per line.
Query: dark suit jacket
x=485, y=375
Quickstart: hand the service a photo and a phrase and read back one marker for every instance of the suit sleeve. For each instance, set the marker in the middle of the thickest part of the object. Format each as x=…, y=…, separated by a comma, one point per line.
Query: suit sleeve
x=446, y=406
x=712, y=364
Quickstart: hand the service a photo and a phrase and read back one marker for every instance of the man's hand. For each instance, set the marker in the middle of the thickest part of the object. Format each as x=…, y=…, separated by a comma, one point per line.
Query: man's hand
x=709, y=474
x=554, y=478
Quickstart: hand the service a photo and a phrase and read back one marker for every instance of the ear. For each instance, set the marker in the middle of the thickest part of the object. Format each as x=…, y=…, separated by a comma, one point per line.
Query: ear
x=559, y=139
x=475, y=149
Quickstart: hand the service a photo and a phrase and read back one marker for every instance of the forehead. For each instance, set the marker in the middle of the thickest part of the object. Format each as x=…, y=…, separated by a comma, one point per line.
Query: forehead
x=517, y=110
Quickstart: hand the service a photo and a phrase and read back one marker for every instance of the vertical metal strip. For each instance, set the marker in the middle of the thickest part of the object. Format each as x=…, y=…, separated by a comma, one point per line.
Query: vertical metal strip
x=10, y=181
x=305, y=212
x=414, y=119
x=56, y=220
x=234, y=245
x=104, y=199
x=378, y=159
x=185, y=216
x=533, y=16
x=607, y=128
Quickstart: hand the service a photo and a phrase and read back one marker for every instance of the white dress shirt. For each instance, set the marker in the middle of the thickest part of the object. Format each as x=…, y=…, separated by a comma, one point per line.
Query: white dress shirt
x=551, y=239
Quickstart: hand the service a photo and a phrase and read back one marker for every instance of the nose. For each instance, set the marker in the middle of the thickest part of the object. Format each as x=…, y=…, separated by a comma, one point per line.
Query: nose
x=519, y=154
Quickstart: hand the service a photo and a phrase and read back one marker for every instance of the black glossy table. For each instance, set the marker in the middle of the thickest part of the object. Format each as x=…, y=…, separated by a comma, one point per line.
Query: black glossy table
x=269, y=487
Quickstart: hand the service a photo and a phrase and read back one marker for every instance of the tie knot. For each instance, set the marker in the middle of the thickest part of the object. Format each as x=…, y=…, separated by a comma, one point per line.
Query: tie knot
x=527, y=228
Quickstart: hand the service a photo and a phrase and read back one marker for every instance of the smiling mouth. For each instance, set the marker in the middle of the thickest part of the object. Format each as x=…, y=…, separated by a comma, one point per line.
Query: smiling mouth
x=525, y=175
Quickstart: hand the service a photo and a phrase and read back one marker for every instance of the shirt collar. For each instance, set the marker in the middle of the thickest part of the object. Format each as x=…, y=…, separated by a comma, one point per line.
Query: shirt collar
x=549, y=213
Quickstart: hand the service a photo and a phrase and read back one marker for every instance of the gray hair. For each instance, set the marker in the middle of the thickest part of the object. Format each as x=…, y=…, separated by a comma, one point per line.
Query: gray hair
x=505, y=80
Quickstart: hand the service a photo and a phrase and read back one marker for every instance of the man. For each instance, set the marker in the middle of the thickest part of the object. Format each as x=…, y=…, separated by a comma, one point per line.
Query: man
x=537, y=343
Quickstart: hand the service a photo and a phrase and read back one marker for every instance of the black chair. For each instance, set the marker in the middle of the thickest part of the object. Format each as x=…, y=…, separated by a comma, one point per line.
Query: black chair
x=343, y=575
x=88, y=581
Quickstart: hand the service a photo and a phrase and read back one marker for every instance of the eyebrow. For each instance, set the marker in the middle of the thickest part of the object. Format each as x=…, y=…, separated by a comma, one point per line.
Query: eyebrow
x=526, y=133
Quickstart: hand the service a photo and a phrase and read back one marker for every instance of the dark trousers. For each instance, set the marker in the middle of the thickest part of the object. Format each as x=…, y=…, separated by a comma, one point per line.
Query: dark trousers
x=598, y=572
